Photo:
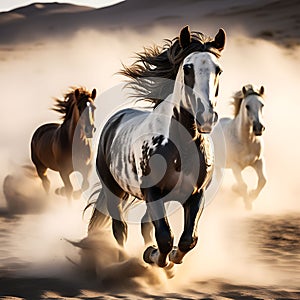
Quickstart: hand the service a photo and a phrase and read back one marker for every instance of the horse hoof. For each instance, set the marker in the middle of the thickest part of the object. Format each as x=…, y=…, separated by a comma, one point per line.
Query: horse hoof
x=147, y=254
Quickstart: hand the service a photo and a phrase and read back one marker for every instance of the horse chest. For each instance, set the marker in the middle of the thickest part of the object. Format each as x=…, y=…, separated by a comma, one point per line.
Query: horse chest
x=247, y=155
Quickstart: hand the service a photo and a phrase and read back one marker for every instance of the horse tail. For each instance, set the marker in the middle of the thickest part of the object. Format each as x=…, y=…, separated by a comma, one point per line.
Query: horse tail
x=100, y=217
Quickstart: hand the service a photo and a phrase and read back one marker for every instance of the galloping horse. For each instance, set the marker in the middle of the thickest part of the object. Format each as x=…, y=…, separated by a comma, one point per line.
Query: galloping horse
x=52, y=143
x=162, y=154
x=243, y=139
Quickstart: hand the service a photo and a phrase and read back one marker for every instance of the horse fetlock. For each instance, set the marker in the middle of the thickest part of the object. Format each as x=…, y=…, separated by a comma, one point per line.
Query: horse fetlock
x=153, y=256
x=187, y=244
x=176, y=256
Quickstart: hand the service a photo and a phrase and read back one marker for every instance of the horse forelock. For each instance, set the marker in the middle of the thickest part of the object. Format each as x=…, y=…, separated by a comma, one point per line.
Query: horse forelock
x=157, y=65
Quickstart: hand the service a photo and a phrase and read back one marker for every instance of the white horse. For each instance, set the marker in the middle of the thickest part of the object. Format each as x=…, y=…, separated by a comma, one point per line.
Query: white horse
x=165, y=154
x=244, y=144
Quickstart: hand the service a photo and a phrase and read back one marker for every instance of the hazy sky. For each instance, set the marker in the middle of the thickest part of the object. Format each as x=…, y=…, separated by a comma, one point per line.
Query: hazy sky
x=6, y=5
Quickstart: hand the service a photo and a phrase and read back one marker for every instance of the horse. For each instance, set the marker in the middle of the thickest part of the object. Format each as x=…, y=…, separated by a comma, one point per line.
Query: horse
x=163, y=153
x=57, y=146
x=243, y=137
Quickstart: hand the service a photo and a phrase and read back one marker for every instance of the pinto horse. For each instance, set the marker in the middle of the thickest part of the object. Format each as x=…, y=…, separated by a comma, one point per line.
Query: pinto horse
x=243, y=136
x=164, y=153
x=52, y=144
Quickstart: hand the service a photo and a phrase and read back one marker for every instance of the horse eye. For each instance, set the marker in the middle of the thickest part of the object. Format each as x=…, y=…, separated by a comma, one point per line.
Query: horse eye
x=187, y=69
x=247, y=107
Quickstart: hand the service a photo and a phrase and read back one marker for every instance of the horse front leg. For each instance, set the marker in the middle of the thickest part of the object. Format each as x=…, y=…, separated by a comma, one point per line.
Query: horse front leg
x=193, y=208
x=241, y=187
x=163, y=234
x=259, y=167
x=85, y=172
x=147, y=229
x=119, y=225
x=68, y=188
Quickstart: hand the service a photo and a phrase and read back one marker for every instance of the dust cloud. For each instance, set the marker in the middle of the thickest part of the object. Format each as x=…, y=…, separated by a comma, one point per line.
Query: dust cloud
x=32, y=74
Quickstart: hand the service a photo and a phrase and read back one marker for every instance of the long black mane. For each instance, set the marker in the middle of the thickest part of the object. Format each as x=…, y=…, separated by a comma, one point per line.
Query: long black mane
x=152, y=75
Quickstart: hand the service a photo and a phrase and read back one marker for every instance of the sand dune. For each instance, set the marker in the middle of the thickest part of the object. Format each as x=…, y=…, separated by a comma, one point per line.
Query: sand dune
x=278, y=21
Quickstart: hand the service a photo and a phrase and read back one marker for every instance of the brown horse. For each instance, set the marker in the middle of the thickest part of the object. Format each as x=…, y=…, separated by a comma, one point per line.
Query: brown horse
x=57, y=146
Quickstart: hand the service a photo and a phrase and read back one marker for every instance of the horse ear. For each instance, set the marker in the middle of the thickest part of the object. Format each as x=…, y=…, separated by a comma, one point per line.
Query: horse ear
x=77, y=93
x=219, y=41
x=262, y=90
x=94, y=93
x=185, y=37
x=244, y=90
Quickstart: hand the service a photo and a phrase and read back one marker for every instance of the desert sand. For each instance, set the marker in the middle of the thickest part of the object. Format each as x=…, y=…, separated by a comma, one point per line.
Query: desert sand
x=44, y=49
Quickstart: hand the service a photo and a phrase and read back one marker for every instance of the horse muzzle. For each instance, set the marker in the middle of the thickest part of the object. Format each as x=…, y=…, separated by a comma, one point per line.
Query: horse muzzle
x=258, y=129
x=205, y=125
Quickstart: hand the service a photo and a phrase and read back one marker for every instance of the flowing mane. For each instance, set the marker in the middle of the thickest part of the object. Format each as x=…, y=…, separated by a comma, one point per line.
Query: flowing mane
x=238, y=96
x=237, y=101
x=66, y=105
x=152, y=75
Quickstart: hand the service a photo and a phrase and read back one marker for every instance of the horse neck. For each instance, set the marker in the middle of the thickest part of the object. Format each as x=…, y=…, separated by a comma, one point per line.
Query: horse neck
x=243, y=128
x=173, y=107
x=69, y=125
x=182, y=106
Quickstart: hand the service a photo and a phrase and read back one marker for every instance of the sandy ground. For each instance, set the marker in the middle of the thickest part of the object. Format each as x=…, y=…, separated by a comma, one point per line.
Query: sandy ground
x=240, y=254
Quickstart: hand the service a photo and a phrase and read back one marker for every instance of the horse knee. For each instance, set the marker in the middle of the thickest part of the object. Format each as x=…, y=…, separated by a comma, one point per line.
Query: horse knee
x=187, y=243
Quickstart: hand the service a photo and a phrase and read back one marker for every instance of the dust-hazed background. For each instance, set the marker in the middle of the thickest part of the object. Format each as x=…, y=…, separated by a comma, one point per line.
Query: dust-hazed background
x=46, y=48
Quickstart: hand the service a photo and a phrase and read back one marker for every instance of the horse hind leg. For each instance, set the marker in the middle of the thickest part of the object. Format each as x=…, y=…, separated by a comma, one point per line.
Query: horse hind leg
x=109, y=206
x=42, y=173
x=119, y=226
x=100, y=217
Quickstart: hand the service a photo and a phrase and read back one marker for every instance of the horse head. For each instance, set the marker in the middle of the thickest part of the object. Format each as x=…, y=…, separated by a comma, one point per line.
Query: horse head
x=200, y=73
x=252, y=105
x=86, y=107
